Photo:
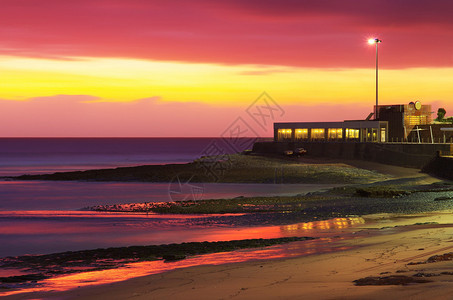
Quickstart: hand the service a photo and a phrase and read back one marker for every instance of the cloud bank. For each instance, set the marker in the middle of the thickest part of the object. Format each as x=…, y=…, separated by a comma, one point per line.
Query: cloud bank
x=323, y=33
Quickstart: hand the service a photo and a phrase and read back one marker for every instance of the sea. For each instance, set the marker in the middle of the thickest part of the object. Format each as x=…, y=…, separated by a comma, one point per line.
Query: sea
x=44, y=217
x=45, y=155
x=41, y=217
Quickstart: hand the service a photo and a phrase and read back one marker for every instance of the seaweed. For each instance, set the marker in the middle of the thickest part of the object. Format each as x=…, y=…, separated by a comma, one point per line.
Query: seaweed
x=48, y=265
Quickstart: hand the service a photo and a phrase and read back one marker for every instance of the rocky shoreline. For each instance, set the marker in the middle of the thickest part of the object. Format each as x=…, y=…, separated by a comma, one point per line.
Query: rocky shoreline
x=40, y=267
x=381, y=197
x=235, y=168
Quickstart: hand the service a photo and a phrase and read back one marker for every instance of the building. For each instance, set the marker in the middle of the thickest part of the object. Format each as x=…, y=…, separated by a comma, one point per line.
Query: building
x=404, y=119
x=397, y=123
x=354, y=131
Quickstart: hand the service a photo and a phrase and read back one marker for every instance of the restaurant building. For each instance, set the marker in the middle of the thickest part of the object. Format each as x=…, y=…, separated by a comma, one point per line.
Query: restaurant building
x=354, y=131
x=406, y=123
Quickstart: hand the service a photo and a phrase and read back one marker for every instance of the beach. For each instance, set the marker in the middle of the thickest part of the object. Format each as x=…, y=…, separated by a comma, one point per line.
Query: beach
x=366, y=232
x=386, y=252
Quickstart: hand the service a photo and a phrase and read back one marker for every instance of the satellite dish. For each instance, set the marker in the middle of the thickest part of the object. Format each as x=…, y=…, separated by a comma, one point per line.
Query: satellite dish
x=418, y=105
x=411, y=105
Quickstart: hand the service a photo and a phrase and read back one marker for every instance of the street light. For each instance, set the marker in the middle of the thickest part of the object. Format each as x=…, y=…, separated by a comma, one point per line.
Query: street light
x=376, y=41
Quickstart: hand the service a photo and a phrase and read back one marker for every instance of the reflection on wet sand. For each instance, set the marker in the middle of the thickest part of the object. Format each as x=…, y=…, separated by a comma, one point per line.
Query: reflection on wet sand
x=330, y=231
x=337, y=223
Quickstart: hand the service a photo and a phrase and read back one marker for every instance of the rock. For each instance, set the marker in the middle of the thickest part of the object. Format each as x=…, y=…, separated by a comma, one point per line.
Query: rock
x=173, y=257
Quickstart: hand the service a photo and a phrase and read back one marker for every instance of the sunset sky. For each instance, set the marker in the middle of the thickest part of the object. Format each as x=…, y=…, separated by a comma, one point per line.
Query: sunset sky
x=148, y=68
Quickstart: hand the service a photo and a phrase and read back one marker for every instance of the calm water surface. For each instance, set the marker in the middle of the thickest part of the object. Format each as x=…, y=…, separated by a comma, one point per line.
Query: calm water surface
x=45, y=155
x=49, y=195
x=43, y=217
x=39, y=217
x=330, y=232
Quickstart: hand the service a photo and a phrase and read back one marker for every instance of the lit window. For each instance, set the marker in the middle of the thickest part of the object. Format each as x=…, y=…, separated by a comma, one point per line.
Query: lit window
x=284, y=134
x=301, y=134
x=335, y=133
x=317, y=133
x=351, y=134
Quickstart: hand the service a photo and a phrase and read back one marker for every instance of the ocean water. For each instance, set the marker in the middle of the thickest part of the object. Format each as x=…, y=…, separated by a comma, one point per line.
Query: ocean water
x=44, y=155
x=39, y=217
x=42, y=217
x=330, y=234
x=71, y=195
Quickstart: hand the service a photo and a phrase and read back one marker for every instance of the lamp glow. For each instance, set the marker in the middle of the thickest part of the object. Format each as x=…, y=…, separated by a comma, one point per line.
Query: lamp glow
x=374, y=40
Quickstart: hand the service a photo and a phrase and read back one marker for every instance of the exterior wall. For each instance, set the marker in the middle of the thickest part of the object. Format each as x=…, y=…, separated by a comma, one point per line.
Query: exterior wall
x=440, y=167
x=402, y=119
x=394, y=115
x=408, y=155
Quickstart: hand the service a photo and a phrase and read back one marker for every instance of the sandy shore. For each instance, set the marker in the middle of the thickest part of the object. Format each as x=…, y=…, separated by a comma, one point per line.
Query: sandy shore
x=389, y=170
x=387, y=251
x=386, y=246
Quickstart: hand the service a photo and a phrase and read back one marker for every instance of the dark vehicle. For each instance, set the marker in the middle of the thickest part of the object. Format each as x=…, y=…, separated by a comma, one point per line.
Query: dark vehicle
x=300, y=152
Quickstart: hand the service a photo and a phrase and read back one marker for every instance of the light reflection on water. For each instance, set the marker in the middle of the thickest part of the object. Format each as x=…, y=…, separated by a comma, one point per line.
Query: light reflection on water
x=331, y=232
x=97, y=214
x=41, y=232
x=39, y=217
x=336, y=223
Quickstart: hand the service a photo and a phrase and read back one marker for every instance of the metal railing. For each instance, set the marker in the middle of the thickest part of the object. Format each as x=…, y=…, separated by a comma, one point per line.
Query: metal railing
x=420, y=141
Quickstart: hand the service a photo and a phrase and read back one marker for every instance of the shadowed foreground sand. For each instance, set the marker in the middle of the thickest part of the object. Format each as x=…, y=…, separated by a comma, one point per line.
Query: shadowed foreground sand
x=386, y=252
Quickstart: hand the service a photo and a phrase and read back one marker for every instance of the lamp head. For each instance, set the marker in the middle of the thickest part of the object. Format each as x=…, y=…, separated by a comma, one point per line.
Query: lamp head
x=374, y=41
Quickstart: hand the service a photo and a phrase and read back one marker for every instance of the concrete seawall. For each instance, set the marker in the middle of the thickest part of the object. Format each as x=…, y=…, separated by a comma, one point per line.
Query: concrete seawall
x=440, y=167
x=400, y=154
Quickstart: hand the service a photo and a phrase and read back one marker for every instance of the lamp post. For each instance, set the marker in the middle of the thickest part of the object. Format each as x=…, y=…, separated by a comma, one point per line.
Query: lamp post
x=376, y=41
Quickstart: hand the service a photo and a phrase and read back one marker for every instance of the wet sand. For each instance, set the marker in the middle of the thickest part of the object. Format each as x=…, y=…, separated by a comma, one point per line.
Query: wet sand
x=386, y=252
x=380, y=250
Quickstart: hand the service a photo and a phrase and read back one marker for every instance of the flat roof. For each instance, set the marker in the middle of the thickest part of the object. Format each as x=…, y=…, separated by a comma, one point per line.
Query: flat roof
x=348, y=124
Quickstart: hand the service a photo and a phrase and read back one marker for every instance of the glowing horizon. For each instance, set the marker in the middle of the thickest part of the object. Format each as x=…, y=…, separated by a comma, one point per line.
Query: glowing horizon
x=130, y=56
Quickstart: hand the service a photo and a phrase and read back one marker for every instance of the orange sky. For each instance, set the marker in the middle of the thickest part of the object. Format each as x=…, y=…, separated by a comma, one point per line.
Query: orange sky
x=177, y=68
